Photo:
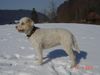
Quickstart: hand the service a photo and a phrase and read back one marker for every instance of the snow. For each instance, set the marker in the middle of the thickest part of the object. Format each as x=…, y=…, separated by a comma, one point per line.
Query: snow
x=17, y=55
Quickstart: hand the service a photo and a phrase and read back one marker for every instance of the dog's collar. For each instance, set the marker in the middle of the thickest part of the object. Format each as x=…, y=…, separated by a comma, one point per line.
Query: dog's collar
x=31, y=31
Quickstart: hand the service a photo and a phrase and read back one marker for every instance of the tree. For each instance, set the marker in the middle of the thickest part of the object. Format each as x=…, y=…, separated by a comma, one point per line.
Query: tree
x=51, y=11
x=76, y=10
x=34, y=16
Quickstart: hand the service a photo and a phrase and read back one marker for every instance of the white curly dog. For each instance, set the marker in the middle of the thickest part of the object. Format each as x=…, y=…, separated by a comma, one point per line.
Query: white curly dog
x=46, y=38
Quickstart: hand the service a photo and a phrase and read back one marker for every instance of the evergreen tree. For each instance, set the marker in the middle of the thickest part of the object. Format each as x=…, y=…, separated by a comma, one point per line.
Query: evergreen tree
x=34, y=16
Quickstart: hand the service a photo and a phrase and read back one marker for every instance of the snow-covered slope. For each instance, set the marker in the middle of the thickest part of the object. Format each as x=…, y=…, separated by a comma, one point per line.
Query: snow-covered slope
x=17, y=56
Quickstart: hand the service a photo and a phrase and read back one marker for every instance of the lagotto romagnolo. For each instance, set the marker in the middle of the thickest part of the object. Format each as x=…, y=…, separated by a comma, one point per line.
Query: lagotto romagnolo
x=43, y=38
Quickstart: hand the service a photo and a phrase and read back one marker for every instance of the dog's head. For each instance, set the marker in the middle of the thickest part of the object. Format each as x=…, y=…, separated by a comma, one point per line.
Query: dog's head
x=24, y=24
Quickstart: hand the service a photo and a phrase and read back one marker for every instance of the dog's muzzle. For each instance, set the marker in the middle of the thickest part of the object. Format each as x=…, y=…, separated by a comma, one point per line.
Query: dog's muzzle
x=19, y=30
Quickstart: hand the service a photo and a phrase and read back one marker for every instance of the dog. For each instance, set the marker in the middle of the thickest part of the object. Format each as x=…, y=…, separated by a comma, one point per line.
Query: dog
x=43, y=38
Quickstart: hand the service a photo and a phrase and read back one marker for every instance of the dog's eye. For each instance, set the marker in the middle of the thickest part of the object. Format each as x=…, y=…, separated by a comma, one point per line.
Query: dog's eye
x=22, y=23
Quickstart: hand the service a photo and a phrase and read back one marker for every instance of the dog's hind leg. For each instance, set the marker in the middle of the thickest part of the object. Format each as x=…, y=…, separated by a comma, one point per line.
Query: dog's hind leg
x=75, y=44
x=69, y=51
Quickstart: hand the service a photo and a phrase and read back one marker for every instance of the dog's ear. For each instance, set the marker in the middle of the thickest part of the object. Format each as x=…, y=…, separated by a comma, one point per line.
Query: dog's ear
x=30, y=21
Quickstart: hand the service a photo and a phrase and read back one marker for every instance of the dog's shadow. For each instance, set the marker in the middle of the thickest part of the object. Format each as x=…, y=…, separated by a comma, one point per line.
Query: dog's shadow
x=61, y=53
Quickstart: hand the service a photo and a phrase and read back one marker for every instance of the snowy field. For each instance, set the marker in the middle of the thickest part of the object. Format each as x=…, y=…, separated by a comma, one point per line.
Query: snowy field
x=17, y=56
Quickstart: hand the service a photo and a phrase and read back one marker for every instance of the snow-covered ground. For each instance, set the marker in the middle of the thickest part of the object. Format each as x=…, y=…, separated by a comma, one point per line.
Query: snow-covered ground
x=17, y=56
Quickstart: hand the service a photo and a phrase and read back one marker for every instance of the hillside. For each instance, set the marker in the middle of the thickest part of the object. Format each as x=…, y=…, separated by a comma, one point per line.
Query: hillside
x=9, y=16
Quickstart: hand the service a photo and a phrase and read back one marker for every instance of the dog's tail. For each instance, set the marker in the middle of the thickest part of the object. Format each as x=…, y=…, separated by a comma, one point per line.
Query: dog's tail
x=75, y=44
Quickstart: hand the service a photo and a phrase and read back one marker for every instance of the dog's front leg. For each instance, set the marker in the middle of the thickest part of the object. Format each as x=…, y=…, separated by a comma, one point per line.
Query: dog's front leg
x=39, y=56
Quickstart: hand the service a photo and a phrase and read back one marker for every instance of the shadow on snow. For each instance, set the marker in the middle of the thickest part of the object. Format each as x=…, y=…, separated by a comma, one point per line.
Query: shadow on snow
x=61, y=53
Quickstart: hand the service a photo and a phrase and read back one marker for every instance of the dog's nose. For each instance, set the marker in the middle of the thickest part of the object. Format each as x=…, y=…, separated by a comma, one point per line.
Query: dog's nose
x=16, y=27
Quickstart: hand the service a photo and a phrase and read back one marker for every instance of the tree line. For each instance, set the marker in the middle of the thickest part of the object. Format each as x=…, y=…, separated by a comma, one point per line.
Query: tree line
x=80, y=11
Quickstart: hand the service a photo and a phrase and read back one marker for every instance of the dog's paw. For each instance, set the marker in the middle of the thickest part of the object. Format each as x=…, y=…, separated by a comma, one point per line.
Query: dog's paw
x=38, y=62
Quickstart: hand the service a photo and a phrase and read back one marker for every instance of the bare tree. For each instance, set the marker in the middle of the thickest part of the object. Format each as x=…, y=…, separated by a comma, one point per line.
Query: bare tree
x=51, y=11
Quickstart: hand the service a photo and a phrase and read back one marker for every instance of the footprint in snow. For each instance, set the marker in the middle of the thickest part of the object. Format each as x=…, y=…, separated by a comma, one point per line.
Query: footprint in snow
x=24, y=73
x=30, y=48
x=22, y=48
x=8, y=34
x=92, y=38
x=3, y=39
x=84, y=38
x=5, y=64
x=30, y=56
x=6, y=56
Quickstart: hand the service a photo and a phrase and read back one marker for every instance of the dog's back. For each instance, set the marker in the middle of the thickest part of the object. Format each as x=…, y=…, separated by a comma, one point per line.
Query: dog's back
x=53, y=37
